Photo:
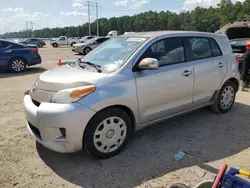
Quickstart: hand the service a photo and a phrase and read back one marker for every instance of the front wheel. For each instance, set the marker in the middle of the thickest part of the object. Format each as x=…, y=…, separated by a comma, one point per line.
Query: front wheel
x=17, y=65
x=107, y=133
x=225, y=98
x=86, y=50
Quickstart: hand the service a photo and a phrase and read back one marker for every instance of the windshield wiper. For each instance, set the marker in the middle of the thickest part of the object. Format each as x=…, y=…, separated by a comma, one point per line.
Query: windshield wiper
x=97, y=67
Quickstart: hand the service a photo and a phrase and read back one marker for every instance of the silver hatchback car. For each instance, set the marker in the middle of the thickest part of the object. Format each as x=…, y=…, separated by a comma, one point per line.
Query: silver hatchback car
x=128, y=83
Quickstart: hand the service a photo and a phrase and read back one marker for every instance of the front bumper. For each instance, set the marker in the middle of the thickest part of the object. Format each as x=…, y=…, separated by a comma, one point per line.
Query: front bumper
x=45, y=120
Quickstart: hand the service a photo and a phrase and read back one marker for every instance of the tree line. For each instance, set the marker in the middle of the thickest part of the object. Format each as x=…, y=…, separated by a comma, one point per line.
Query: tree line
x=200, y=19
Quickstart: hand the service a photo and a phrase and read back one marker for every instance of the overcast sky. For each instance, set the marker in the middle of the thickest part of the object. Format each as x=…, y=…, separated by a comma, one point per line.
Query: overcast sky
x=60, y=13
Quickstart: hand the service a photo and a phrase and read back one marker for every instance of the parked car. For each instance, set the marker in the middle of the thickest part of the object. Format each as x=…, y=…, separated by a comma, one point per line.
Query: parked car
x=239, y=34
x=38, y=42
x=84, y=39
x=16, y=57
x=63, y=41
x=86, y=47
x=113, y=33
x=126, y=84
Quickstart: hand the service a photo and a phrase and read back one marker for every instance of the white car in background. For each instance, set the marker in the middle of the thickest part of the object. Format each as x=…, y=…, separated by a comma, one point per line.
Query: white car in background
x=86, y=47
x=86, y=38
x=63, y=41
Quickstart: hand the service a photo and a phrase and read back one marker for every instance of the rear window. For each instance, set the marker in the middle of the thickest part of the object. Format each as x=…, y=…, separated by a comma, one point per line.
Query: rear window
x=216, y=51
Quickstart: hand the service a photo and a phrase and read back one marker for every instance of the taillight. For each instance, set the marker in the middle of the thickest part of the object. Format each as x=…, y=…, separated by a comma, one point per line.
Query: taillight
x=237, y=60
x=34, y=50
x=248, y=45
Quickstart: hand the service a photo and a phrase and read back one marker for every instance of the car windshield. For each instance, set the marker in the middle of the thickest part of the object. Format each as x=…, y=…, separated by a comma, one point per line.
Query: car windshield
x=242, y=42
x=114, y=51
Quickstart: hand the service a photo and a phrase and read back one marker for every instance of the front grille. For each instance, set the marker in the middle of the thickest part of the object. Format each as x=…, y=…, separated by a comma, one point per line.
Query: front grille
x=36, y=103
x=35, y=131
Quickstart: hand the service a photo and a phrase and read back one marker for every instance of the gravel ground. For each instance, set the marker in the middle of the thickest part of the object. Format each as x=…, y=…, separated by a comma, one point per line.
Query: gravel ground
x=208, y=139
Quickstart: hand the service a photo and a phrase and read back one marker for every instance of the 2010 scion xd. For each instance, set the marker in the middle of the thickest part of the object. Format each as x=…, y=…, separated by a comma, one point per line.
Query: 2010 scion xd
x=126, y=84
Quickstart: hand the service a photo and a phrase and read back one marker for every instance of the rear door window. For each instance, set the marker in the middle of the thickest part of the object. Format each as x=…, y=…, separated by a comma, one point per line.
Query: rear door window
x=200, y=48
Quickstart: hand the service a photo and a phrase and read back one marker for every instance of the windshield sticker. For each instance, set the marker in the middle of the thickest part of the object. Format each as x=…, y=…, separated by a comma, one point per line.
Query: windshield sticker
x=136, y=39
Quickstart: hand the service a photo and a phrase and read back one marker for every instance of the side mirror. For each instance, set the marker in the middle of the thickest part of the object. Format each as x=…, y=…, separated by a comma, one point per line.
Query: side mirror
x=149, y=64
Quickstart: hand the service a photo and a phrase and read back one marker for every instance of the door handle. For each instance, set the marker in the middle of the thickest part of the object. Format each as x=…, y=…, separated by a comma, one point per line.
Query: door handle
x=186, y=73
x=220, y=64
x=7, y=51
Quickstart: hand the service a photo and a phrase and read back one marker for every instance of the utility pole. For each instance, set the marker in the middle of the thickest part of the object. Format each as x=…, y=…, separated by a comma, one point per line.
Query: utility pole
x=31, y=23
x=27, y=29
x=6, y=31
x=97, y=20
x=89, y=19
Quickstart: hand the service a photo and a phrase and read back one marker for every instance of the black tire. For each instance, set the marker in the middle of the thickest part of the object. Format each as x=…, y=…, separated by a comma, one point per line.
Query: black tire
x=17, y=65
x=179, y=185
x=95, y=122
x=55, y=45
x=86, y=50
x=220, y=108
x=72, y=44
x=39, y=45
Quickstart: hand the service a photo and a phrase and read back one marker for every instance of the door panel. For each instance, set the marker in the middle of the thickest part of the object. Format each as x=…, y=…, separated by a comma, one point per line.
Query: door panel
x=209, y=68
x=164, y=92
x=208, y=77
x=167, y=90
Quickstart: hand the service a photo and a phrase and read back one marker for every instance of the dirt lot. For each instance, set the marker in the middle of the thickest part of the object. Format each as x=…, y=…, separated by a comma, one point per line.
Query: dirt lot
x=208, y=138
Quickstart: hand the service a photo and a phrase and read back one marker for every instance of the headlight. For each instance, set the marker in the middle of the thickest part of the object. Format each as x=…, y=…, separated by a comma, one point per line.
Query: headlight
x=72, y=95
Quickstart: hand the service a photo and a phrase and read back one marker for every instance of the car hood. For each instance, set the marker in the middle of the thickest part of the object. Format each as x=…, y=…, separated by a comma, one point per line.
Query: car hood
x=65, y=77
x=59, y=78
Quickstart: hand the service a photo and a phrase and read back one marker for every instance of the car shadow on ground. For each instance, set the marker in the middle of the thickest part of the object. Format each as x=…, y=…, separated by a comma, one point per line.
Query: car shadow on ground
x=28, y=71
x=205, y=136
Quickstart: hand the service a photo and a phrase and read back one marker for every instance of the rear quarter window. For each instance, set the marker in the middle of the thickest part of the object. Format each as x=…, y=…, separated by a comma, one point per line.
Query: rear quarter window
x=216, y=51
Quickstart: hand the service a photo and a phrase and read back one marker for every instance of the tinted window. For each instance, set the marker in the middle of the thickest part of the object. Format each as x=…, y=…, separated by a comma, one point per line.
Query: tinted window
x=167, y=52
x=100, y=40
x=34, y=40
x=4, y=44
x=215, y=48
x=200, y=48
x=62, y=38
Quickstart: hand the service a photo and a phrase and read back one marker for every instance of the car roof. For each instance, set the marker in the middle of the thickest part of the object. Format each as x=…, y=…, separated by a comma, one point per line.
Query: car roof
x=154, y=34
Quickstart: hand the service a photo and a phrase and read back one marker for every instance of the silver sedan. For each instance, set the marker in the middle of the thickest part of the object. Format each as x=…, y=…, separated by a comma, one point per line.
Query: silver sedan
x=86, y=47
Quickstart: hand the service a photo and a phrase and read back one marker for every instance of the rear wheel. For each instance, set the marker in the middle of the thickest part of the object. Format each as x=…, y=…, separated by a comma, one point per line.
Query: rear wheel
x=55, y=45
x=107, y=133
x=225, y=98
x=17, y=65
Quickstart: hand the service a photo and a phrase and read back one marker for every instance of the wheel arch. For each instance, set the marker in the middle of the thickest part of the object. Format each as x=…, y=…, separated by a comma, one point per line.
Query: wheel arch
x=235, y=81
x=126, y=109
x=17, y=57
